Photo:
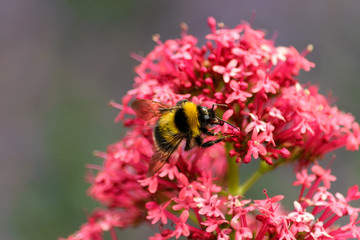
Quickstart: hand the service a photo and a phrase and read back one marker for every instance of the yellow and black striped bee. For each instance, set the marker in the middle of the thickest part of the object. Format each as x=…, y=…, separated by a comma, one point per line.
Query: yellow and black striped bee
x=186, y=120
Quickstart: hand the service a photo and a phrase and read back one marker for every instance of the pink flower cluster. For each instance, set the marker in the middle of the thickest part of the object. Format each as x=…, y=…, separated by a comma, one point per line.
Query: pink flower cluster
x=280, y=121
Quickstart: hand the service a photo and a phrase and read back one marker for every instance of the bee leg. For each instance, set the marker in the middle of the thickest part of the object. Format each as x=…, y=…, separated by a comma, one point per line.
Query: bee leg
x=210, y=143
x=207, y=132
x=207, y=144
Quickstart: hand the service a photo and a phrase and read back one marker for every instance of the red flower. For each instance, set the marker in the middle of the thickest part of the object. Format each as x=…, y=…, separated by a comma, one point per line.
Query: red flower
x=252, y=84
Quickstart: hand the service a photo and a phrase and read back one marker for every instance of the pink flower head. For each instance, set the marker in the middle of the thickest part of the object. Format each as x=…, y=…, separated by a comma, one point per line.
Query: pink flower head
x=241, y=76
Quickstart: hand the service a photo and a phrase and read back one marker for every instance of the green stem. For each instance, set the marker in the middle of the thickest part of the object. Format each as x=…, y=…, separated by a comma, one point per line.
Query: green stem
x=250, y=182
x=193, y=217
x=233, y=172
x=263, y=168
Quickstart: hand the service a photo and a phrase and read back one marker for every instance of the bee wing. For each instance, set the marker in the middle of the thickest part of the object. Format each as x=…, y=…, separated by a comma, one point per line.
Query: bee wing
x=157, y=161
x=148, y=109
x=160, y=157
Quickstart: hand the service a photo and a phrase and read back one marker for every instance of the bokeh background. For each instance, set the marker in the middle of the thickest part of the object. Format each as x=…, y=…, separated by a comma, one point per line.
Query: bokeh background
x=61, y=61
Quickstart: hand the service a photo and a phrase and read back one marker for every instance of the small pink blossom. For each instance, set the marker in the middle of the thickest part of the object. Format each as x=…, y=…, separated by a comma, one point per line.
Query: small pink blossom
x=152, y=182
x=264, y=83
x=319, y=231
x=355, y=231
x=213, y=223
x=169, y=170
x=304, y=179
x=322, y=196
x=225, y=37
x=184, y=52
x=162, y=236
x=249, y=57
x=224, y=234
x=300, y=215
x=255, y=148
x=241, y=232
x=181, y=226
x=276, y=113
x=353, y=193
x=267, y=135
x=285, y=233
x=156, y=212
x=325, y=175
x=229, y=71
x=237, y=93
x=353, y=139
x=256, y=124
x=211, y=208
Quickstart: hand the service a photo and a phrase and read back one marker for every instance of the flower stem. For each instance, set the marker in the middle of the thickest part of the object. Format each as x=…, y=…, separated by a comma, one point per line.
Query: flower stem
x=198, y=217
x=193, y=217
x=264, y=168
x=233, y=172
x=113, y=234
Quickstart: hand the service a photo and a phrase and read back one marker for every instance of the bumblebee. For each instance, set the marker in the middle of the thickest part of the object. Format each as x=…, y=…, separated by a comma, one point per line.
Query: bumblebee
x=186, y=120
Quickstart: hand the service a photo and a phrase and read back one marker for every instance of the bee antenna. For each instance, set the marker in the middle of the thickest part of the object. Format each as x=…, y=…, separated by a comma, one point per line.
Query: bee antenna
x=218, y=104
x=221, y=120
x=221, y=105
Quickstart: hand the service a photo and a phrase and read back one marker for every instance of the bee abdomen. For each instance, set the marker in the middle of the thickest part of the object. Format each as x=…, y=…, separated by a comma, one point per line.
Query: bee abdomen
x=165, y=139
x=181, y=121
x=160, y=139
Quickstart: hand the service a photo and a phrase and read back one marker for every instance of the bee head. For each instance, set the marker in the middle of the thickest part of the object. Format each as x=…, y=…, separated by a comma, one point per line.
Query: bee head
x=207, y=116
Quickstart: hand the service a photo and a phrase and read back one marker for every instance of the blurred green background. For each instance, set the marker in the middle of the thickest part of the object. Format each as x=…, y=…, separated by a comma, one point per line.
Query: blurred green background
x=62, y=61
